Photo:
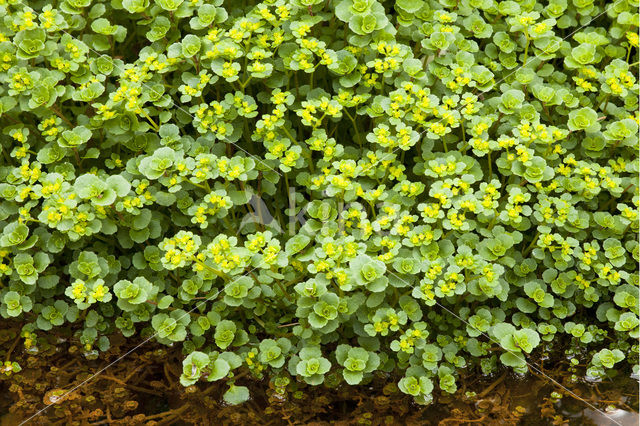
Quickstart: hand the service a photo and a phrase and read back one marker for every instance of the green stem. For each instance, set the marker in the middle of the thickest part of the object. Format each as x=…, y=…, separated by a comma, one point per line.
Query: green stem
x=61, y=115
x=243, y=85
x=493, y=221
x=284, y=291
x=215, y=271
x=286, y=183
x=605, y=103
x=355, y=127
x=153, y=123
x=532, y=245
x=5, y=152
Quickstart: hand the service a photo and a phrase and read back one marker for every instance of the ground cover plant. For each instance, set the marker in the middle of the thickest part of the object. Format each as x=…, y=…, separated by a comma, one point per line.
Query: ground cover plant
x=324, y=191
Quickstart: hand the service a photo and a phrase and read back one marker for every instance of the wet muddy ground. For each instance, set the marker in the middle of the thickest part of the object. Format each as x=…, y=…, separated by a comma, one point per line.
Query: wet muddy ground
x=143, y=388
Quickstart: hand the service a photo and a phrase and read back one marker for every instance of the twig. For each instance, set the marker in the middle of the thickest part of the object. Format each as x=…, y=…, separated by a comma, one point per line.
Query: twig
x=13, y=346
x=133, y=387
x=492, y=385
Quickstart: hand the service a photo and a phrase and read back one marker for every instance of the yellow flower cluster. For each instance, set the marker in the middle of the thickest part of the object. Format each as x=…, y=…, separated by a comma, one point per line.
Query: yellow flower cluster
x=180, y=250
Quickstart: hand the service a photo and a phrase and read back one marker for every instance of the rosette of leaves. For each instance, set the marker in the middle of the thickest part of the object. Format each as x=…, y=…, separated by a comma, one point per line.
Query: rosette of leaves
x=240, y=291
x=604, y=360
x=171, y=327
x=363, y=16
x=169, y=5
x=406, y=263
x=431, y=356
x=479, y=322
x=581, y=55
x=626, y=296
x=345, y=63
x=227, y=334
x=511, y=101
x=101, y=192
x=483, y=77
x=356, y=362
x=310, y=290
x=202, y=323
x=158, y=28
x=622, y=131
x=89, y=265
x=14, y=234
x=497, y=248
x=420, y=387
x=54, y=315
x=369, y=273
x=583, y=119
x=535, y=170
x=214, y=366
x=537, y=290
x=479, y=27
x=306, y=4
x=156, y=165
x=579, y=331
x=14, y=304
x=32, y=43
x=88, y=93
x=208, y=14
x=47, y=91
x=74, y=138
x=193, y=366
x=320, y=212
x=310, y=365
x=27, y=267
x=130, y=294
x=614, y=252
x=515, y=342
x=135, y=6
x=628, y=322
x=324, y=311
x=274, y=352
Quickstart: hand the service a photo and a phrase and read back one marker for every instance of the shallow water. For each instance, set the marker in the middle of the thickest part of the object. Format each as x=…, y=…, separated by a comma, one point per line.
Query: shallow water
x=144, y=387
x=611, y=418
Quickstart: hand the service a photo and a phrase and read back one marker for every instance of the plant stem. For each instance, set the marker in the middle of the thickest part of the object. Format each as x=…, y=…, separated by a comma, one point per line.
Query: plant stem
x=215, y=271
x=532, y=245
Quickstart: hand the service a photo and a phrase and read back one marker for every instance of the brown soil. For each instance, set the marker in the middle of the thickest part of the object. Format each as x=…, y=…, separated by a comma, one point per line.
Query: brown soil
x=143, y=388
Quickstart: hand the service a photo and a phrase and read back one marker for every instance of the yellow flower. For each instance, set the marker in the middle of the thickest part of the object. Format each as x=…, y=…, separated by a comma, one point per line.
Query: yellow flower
x=526, y=20
x=540, y=28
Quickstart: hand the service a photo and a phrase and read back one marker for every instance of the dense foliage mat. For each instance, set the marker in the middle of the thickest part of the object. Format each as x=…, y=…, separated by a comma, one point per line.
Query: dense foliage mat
x=323, y=191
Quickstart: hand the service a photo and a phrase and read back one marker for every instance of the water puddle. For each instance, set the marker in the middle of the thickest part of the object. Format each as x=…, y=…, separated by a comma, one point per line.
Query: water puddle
x=144, y=389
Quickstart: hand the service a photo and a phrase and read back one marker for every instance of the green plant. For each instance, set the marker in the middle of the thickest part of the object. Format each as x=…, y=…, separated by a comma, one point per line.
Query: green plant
x=356, y=362
x=310, y=365
x=324, y=190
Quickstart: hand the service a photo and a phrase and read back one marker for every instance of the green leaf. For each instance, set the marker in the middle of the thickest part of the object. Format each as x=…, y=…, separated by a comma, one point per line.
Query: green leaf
x=236, y=395
x=119, y=184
